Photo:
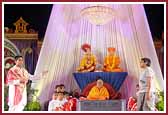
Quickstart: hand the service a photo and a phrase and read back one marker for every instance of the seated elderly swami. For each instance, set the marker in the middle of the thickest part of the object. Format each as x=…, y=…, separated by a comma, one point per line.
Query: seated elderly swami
x=98, y=92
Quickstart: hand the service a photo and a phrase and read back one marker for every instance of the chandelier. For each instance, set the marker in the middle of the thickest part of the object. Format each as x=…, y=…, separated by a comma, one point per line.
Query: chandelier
x=98, y=15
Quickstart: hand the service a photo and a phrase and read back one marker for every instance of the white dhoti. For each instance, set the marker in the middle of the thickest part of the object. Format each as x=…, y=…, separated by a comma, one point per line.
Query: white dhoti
x=22, y=103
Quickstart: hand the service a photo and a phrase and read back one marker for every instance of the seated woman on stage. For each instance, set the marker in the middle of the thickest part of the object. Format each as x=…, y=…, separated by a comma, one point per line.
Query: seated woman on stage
x=112, y=62
x=88, y=62
x=98, y=92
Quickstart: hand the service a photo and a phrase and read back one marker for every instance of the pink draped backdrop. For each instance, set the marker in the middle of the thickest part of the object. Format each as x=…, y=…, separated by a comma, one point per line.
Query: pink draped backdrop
x=128, y=32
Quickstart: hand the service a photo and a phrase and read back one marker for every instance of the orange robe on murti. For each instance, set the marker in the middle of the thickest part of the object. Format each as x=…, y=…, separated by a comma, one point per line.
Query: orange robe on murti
x=98, y=94
x=111, y=64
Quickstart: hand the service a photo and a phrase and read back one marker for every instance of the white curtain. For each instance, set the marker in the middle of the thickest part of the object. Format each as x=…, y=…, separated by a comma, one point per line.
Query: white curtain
x=128, y=32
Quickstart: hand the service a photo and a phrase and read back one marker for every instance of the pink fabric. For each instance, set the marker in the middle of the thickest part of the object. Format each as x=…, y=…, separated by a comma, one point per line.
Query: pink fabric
x=18, y=95
x=18, y=88
x=10, y=76
x=132, y=104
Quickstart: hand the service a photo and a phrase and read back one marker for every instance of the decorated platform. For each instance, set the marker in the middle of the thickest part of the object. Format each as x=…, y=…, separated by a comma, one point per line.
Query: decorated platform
x=116, y=79
x=108, y=105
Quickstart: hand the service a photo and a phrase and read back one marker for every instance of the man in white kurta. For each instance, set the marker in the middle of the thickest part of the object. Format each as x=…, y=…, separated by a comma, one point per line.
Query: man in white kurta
x=17, y=79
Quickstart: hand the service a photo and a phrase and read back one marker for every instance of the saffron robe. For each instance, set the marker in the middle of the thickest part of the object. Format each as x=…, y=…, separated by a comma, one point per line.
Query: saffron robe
x=98, y=94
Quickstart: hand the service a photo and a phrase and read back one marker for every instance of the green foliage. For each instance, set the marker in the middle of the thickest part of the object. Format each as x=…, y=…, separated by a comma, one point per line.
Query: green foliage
x=33, y=106
x=5, y=98
x=160, y=103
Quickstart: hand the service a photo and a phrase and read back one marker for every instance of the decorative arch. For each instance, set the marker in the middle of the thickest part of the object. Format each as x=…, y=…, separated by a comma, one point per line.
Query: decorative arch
x=10, y=51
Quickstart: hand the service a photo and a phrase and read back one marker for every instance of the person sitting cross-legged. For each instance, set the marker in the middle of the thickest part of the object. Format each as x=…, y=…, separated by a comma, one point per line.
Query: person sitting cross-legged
x=98, y=92
x=112, y=61
x=88, y=61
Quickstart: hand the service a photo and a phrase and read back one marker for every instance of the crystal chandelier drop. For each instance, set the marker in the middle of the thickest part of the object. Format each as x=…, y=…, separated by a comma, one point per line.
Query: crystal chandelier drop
x=98, y=15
